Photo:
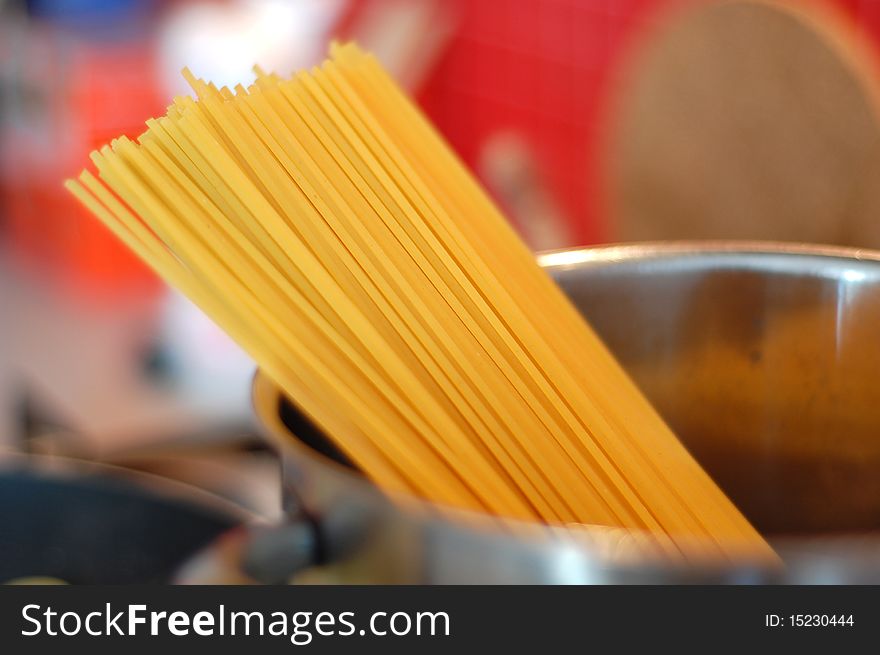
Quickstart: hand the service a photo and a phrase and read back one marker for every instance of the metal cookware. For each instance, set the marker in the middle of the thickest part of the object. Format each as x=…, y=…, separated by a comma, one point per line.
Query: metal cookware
x=763, y=358
x=87, y=523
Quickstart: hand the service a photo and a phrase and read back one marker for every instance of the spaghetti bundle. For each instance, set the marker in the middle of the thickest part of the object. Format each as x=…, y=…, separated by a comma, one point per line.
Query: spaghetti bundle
x=326, y=227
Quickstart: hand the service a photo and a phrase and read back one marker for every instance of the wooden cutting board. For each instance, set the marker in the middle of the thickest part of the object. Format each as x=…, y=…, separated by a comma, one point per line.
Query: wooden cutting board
x=748, y=120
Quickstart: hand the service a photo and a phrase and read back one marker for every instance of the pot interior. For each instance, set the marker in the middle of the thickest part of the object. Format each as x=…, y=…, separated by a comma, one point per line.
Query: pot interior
x=765, y=363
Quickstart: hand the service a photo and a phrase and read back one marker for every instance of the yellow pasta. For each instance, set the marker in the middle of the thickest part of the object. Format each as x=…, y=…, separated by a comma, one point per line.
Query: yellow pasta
x=323, y=223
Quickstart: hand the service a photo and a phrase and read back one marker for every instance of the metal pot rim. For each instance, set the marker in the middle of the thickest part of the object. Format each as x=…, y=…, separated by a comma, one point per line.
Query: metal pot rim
x=652, y=250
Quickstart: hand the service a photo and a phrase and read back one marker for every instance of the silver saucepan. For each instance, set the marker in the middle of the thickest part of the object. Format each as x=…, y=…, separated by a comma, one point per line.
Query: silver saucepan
x=763, y=358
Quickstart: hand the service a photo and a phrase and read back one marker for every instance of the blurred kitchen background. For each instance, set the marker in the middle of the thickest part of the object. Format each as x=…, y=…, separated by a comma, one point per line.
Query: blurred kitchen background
x=590, y=121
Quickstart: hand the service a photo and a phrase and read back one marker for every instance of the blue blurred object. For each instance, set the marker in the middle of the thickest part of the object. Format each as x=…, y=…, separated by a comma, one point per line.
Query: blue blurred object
x=94, y=16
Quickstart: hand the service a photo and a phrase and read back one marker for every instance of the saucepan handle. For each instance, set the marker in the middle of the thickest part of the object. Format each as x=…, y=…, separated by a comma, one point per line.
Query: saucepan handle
x=255, y=554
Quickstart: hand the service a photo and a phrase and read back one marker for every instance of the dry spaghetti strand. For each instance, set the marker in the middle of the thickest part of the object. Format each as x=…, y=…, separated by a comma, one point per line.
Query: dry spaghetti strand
x=323, y=223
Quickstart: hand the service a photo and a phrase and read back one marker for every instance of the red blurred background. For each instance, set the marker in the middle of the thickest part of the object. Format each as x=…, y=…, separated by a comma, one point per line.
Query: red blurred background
x=520, y=88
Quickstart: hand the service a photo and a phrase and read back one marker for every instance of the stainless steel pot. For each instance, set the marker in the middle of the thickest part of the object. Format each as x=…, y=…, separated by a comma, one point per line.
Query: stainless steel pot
x=763, y=358
x=90, y=523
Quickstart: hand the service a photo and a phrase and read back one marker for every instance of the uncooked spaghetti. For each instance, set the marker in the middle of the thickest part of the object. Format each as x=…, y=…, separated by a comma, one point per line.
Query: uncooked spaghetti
x=323, y=223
